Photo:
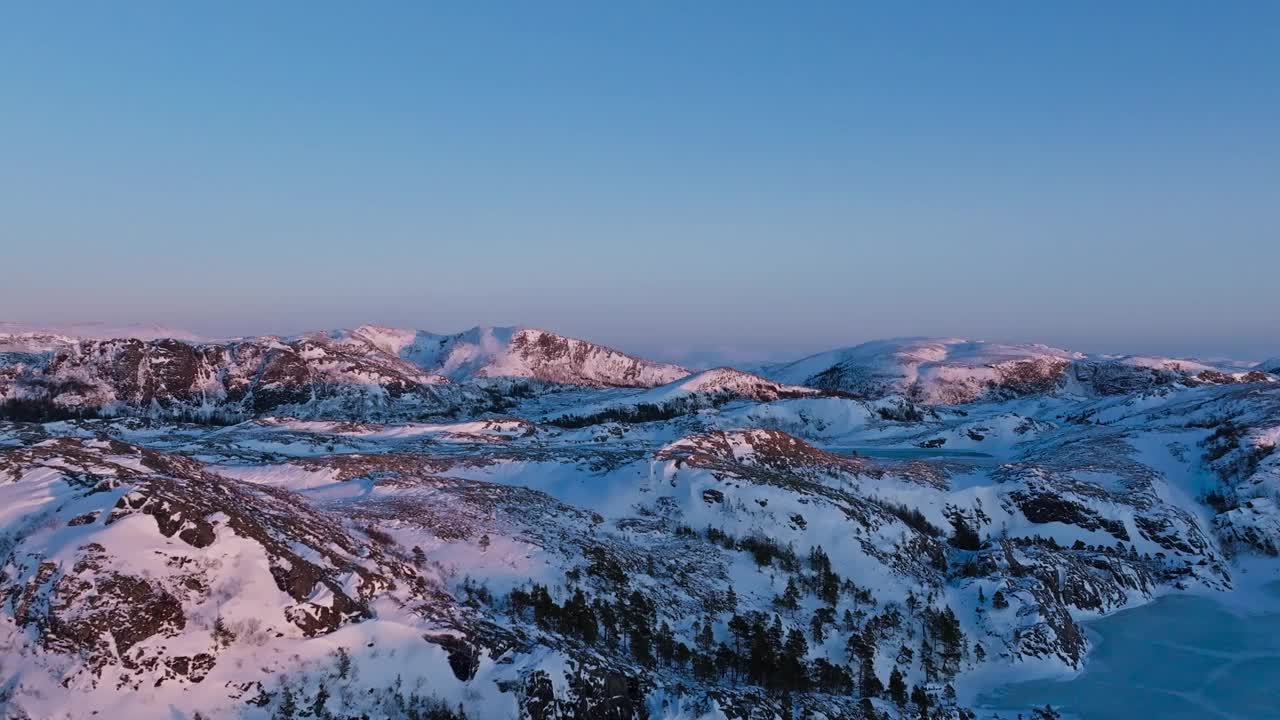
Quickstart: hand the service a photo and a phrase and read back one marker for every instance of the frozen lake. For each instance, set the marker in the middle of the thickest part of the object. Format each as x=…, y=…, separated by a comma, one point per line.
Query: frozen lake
x=1180, y=658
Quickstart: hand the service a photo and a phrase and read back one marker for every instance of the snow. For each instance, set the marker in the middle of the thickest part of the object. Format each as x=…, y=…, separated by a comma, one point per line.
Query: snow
x=496, y=352
x=545, y=498
x=1178, y=657
x=41, y=337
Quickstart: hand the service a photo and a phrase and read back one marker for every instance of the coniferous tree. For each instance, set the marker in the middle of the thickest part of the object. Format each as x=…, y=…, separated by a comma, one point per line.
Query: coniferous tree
x=927, y=666
x=816, y=627
x=790, y=597
x=766, y=645
x=740, y=629
x=963, y=536
x=794, y=666
x=288, y=707
x=726, y=660
x=920, y=699
x=664, y=644
x=642, y=647
x=848, y=621
x=318, y=708
x=860, y=647
x=871, y=685
x=897, y=688
x=706, y=638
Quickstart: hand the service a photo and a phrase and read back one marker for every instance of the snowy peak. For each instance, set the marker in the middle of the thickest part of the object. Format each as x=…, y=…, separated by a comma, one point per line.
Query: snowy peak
x=547, y=356
x=930, y=370
x=367, y=373
x=309, y=375
x=494, y=352
x=754, y=448
x=707, y=389
x=943, y=371
x=729, y=382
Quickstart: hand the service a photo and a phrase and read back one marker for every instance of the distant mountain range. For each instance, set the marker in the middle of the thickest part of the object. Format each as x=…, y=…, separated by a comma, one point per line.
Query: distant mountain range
x=374, y=372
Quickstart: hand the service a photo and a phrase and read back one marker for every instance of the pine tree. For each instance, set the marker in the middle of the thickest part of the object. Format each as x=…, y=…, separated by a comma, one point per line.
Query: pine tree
x=642, y=647
x=794, y=666
x=344, y=663
x=288, y=707
x=927, y=667
x=897, y=688
x=998, y=600
x=726, y=660
x=706, y=638
x=947, y=628
x=963, y=536
x=816, y=627
x=318, y=708
x=921, y=700
x=790, y=598
x=741, y=631
x=871, y=685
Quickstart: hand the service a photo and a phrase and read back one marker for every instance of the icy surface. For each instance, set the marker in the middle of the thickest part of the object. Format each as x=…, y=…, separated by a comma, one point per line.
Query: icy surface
x=1181, y=657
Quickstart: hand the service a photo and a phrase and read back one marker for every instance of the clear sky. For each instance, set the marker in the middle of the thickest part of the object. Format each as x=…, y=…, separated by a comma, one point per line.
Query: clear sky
x=668, y=177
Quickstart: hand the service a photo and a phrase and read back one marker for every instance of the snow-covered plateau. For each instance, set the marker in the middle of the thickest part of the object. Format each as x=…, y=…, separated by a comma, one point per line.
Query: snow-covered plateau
x=509, y=523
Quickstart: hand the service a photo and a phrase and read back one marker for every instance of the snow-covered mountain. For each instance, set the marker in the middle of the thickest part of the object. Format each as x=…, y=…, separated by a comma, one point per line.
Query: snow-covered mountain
x=706, y=389
x=941, y=371
x=32, y=338
x=366, y=373
x=510, y=524
x=490, y=352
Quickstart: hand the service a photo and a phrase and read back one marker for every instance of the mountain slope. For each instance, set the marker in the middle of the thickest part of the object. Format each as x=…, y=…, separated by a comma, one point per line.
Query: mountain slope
x=368, y=373
x=705, y=389
x=169, y=378
x=929, y=370
x=947, y=371
x=520, y=353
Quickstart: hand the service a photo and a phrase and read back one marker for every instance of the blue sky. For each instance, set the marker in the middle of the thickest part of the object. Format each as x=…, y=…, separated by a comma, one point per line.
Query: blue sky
x=754, y=179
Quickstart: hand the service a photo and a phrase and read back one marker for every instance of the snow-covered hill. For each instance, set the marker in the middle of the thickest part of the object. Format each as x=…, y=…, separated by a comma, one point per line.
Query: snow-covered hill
x=935, y=371
x=51, y=336
x=510, y=524
x=945, y=371
x=709, y=388
x=489, y=352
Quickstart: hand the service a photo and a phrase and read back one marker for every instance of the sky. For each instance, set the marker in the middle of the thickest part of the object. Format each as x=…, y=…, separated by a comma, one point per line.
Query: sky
x=738, y=180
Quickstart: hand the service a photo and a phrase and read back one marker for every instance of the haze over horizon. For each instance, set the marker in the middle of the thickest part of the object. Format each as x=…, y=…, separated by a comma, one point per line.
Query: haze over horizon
x=676, y=182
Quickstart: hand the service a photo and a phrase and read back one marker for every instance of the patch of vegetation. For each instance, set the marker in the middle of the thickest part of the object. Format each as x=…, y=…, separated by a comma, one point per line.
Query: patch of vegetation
x=912, y=517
